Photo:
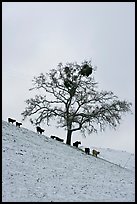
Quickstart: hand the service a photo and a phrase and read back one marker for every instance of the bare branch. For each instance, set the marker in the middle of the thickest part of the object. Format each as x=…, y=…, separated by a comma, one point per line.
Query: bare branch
x=69, y=94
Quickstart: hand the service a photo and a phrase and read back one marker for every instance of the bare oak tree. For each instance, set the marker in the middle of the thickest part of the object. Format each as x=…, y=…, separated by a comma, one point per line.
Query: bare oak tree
x=71, y=96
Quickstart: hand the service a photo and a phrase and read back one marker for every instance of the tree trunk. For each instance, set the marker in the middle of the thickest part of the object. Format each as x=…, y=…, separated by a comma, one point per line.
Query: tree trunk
x=69, y=133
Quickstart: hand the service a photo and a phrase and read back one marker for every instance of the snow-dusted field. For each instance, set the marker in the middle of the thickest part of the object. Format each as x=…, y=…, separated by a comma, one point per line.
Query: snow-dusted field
x=36, y=168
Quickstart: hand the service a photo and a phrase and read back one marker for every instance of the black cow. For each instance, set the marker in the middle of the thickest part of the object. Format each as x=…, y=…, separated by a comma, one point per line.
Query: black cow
x=87, y=150
x=11, y=120
x=39, y=130
x=57, y=138
x=18, y=124
x=53, y=137
x=76, y=143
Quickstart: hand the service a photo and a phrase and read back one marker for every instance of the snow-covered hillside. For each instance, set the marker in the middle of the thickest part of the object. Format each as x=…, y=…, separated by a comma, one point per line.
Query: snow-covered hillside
x=121, y=158
x=36, y=168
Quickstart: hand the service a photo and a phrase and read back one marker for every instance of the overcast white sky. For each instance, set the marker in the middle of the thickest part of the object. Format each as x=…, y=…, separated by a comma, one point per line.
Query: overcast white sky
x=36, y=36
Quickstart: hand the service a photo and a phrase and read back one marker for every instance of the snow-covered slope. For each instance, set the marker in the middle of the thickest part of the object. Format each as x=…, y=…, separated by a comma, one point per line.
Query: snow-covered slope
x=36, y=168
x=121, y=158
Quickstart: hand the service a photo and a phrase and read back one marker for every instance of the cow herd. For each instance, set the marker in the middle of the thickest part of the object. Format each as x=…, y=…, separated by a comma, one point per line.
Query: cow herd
x=87, y=149
x=40, y=130
x=10, y=120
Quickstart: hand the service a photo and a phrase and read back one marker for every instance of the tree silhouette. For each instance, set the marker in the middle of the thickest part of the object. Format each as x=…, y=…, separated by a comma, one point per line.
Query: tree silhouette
x=70, y=95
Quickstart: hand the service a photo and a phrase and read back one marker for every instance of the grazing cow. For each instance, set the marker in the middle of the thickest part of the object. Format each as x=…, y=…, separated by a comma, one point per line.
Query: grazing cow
x=39, y=130
x=95, y=153
x=11, y=120
x=87, y=150
x=57, y=138
x=18, y=124
x=53, y=137
x=76, y=143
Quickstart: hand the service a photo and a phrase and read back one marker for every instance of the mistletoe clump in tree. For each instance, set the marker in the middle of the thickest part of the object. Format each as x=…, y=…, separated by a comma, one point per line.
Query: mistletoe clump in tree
x=70, y=95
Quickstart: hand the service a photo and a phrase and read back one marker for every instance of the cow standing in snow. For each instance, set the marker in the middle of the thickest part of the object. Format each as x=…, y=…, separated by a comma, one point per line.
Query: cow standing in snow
x=76, y=143
x=57, y=138
x=87, y=150
x=18, y=124
x=10, y=120
x=39, y=130
x=95, y=153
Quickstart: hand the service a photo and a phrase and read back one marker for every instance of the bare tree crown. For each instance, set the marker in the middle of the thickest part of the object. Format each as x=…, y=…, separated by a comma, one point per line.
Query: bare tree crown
x=71, y=96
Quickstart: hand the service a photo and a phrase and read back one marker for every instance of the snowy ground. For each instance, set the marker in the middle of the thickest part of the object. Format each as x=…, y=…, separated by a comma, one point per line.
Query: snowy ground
x=121, y=158
x=36, y=168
